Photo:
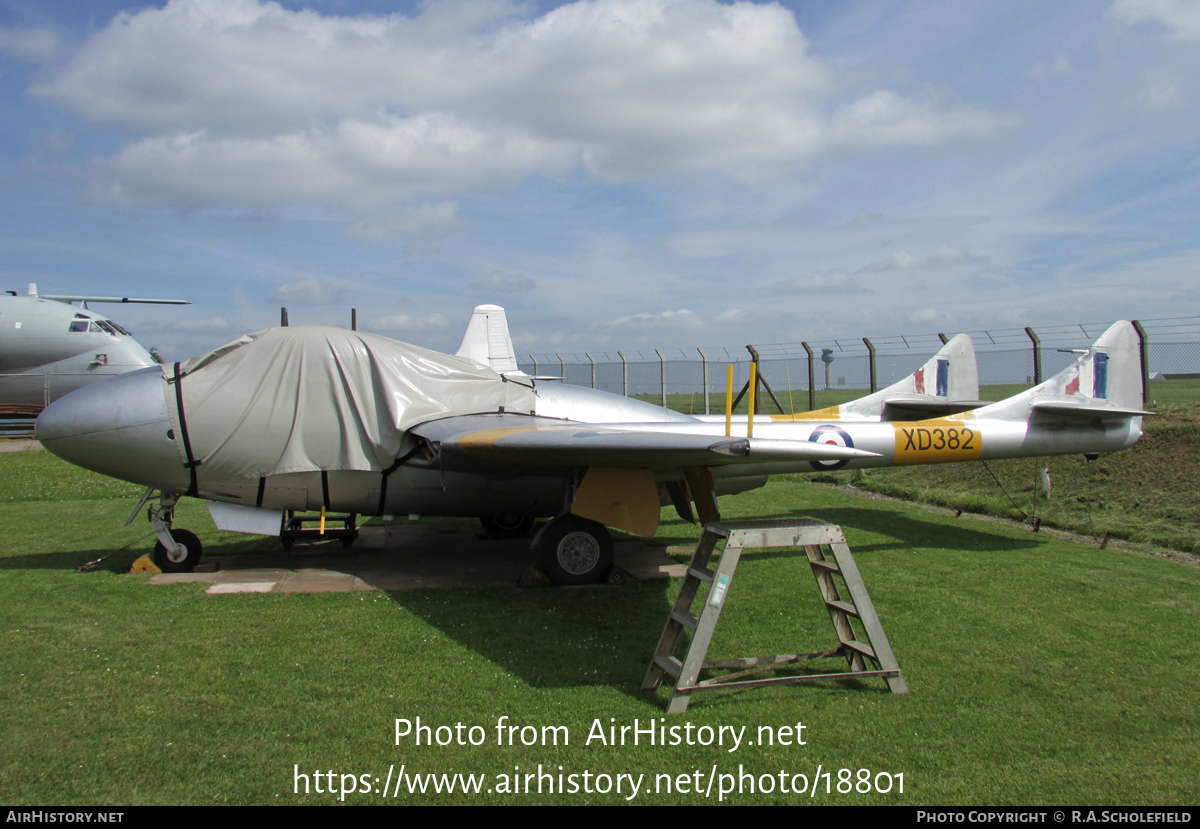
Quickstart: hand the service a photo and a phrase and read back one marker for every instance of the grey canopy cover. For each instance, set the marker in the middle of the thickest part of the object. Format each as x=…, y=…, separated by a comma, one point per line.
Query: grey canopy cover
x=309, y=398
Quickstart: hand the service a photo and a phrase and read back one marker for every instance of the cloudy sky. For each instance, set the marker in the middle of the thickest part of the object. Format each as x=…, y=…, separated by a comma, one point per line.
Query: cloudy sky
x=616, y=173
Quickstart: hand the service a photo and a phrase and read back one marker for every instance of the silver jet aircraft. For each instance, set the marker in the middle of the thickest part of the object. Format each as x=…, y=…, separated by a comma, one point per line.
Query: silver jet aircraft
x=49, y=348
x=309, y=418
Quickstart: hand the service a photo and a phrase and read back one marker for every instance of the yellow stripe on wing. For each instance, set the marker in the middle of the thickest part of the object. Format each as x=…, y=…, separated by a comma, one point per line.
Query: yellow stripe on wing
x=831, y=413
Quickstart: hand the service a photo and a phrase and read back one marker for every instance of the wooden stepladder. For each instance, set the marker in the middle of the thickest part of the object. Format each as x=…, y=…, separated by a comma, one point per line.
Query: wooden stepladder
x=816, y=538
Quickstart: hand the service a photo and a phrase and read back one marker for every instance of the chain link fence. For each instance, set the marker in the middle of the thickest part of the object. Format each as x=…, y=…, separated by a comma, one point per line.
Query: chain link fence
x=811, y=375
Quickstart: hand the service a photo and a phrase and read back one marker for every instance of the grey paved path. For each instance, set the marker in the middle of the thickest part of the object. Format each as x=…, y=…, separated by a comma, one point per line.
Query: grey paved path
x=401, y=557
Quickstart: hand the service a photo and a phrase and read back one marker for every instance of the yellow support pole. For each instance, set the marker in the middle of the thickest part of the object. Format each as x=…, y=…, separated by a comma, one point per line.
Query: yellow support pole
x=322, y=532
x=753, y=388
x=729, y=400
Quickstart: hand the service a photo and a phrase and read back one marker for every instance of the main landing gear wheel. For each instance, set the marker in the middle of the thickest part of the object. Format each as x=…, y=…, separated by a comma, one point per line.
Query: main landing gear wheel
x=172, y=563
x=574, y=550
x=506, y=527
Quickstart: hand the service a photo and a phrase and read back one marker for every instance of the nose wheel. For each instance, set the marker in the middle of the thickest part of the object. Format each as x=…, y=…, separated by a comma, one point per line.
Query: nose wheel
x=185, y=556
x=177, y=551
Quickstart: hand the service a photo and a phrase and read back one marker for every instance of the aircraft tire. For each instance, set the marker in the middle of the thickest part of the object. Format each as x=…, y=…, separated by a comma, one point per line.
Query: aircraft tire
x=574, y=550
x=190, y=542
x=507, y=527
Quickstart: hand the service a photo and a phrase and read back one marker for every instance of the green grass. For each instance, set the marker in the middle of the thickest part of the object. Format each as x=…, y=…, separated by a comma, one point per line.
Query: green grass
x=796, y=402
x=1174, y=393
x=1042, y=671
x=1146, y=494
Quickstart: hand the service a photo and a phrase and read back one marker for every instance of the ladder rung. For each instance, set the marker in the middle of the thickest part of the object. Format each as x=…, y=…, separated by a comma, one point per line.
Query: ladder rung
x=865, y=650
x=703, y=575
x=669, y=664
x=843, y=606
x=688, y=620
x=825, y=565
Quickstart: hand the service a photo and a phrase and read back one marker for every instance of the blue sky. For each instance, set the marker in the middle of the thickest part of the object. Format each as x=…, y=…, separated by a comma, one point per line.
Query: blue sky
x=616, y=173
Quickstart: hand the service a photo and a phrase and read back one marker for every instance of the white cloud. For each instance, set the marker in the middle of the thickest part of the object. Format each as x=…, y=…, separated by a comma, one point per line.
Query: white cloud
x=210, y=324
x=1061, y=67
x=1162, y=93
x=669, y=323
x=426, y=221
x=1182, y=17
x=883, y=118
x=311, y=291
x=833, y=283
x=355, y=164
x=28, y=44
x=243, y=101
x=943, y=257
x=511, y=283
x=681, y=318
x=405, y=322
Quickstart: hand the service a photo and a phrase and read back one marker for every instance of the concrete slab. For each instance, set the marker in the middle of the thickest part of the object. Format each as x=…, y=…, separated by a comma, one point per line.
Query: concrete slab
x=257, y=574
x=19, y=446
x=180, y=578
x=409, y=557
x=321, y=581
x=243, y=587
x=648, y=563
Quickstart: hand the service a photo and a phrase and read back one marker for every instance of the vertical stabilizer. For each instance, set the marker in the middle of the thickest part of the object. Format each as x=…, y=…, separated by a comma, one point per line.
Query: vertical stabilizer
x=1106, y=379
x=487, y=340
x=946, y=384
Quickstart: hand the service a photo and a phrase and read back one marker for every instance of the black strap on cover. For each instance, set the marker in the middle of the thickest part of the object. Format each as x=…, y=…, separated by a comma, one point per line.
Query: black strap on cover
x=192, y=463
x=396, y=465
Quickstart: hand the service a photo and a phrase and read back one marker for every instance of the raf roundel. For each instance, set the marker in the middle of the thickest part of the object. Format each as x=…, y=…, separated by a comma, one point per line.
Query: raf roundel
x=832, y=435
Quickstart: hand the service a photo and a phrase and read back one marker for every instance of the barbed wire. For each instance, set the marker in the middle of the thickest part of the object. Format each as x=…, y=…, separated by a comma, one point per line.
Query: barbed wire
x=1160, y=331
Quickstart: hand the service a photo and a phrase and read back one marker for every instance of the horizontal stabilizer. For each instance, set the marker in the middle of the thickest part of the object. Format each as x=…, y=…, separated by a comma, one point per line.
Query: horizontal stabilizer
x=1079, y=409
x=907, y=408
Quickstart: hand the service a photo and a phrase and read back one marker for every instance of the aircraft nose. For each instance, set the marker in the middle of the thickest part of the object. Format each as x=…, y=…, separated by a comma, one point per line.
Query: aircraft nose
x=118, y=427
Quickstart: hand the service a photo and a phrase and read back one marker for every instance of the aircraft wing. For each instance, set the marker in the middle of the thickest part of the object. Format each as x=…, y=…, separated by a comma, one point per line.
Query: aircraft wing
x=467, y=442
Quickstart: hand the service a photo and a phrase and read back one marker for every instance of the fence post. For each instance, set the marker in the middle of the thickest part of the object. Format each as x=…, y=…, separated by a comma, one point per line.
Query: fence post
x=353, y=319
x=662, y=375
x=589, y=356
x=1037, y=356
x=812, y=390
x=624, y=374
x=756, y=374
x=871, y=352
x=535, y=365
x=704, y=362
x=562, y=369
x=942, y=337
x=1144, y=350
x=283, y=317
